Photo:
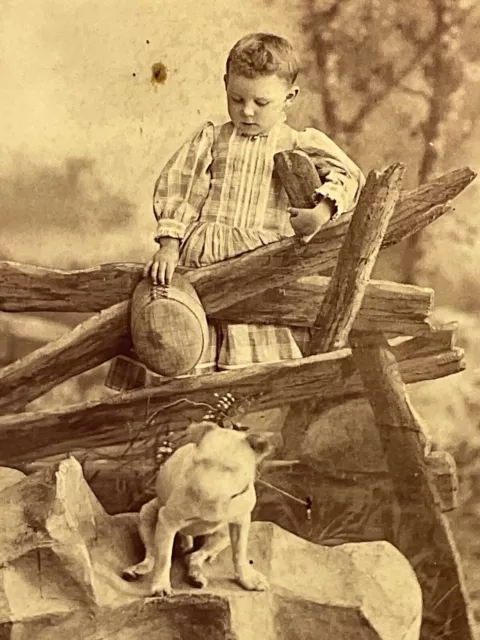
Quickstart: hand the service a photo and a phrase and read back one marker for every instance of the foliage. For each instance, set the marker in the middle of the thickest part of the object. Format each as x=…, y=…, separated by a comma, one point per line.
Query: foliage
x=393, y=80
x=366, y=52
x=72, y=204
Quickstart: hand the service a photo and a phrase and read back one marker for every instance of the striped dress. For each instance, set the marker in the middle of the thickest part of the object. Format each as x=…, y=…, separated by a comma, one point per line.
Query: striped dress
x=218, y=195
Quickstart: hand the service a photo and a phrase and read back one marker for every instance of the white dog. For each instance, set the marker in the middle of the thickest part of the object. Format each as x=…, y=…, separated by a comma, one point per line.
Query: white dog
x=206, y=488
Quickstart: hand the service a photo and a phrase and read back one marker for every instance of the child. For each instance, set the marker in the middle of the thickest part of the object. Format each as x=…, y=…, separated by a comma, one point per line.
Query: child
x=218, y=197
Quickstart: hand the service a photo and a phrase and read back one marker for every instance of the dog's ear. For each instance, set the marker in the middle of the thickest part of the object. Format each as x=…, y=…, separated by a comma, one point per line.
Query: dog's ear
x=197, y=430
x=261, y=444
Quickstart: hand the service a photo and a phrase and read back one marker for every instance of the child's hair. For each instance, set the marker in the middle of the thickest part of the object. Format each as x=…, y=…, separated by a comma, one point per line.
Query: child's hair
x=263, y=54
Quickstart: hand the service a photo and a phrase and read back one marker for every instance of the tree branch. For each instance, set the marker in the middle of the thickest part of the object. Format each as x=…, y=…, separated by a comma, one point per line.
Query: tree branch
x=379, y=96
x=446, y=76
x=326, y=60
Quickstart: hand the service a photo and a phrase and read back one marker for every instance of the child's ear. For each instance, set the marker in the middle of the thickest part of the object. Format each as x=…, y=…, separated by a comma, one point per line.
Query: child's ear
x=225, y=80
x=291, y=95
x=261, y=444
x=197, y=430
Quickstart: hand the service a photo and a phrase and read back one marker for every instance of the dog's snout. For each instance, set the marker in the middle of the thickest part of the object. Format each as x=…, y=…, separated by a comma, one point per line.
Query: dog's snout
x=198, y=494
x=214, y=505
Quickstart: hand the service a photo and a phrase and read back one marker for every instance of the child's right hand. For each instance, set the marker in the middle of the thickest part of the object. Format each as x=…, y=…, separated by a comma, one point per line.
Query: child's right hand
x=164, y=262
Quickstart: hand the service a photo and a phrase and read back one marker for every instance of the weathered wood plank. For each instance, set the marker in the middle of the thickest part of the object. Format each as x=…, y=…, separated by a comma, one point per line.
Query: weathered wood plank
x=27, y=288
x=344, y=296
x=443, y=338
x=396, y=309
x=419, y=530
x=117, y=419
x=356, y=260
x=91, y=343
x=389, y=306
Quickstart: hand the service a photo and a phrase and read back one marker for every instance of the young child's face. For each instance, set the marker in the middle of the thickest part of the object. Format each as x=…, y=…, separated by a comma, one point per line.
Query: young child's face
x=255, y=105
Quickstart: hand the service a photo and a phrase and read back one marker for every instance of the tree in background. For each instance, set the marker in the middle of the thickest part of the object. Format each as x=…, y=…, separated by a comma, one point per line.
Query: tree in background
x=399, y=81
x=392, y=79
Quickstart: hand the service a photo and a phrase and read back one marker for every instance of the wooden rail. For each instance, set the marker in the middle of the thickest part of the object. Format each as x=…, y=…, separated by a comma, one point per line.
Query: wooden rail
x=116, y=419
x=28, y=288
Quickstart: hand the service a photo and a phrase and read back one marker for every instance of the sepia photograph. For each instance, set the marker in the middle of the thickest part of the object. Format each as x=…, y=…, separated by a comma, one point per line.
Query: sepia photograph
x=240, y=320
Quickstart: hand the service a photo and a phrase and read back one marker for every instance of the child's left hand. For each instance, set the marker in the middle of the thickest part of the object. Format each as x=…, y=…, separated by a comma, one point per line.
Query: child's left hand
x=307, y=222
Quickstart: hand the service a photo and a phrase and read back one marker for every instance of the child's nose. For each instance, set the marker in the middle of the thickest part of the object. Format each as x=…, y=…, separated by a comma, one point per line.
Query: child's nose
x=248, y=110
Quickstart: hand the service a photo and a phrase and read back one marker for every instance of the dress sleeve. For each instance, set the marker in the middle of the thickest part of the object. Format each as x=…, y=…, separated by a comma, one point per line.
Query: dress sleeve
x=341, y=179
x=183, y=185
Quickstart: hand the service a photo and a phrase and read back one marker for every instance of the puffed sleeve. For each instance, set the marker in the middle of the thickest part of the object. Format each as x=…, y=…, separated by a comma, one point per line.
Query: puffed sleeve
x=183, y=185
x=342, y=180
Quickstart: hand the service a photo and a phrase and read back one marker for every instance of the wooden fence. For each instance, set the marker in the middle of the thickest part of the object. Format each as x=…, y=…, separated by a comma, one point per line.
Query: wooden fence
x=370, y=338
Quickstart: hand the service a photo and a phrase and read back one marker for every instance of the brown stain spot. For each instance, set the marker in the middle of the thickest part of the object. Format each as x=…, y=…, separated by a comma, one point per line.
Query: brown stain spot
x=159, y=73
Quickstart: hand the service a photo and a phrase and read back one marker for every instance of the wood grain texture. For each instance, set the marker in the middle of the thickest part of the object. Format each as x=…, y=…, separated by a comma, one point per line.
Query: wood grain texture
x=356, y=259
x=392, y=307
x=419, y=530
x=28, y=288
x=296, y=304
x=29, y=436
x=91, y=343
x=395, y=309
x=344, y=296
x=25, y=287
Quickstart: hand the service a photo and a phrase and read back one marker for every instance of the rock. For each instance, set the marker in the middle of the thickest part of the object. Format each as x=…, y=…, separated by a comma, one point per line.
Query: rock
x=48, y=520
x=344, y=437
x=61, y=558
x=9, y=476
x=344, y=441
x=351, y=591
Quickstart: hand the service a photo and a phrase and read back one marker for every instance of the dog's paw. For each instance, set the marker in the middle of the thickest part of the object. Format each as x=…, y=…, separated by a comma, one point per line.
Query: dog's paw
x=130, y=575
x=196, y=578
x=161, y=590
x=136, y=571
x=253, y=580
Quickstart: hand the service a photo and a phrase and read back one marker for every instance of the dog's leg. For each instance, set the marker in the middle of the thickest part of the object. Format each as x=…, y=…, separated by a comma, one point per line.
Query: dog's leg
x=185, y=543
x=165, y=533
x=213, y=545
x=246, y=576
x=147, y=522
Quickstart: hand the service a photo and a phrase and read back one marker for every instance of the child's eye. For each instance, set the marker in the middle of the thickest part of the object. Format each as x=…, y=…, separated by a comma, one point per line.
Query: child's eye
x=236, y=99
x=261, y=103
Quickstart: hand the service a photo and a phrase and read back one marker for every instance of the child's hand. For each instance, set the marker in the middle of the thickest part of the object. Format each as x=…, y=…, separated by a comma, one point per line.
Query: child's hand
x=307, y=222
x=164, y=262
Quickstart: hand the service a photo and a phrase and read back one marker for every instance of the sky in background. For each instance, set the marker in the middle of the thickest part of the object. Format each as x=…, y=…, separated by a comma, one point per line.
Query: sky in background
x=83, y=138
x=78, y=129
